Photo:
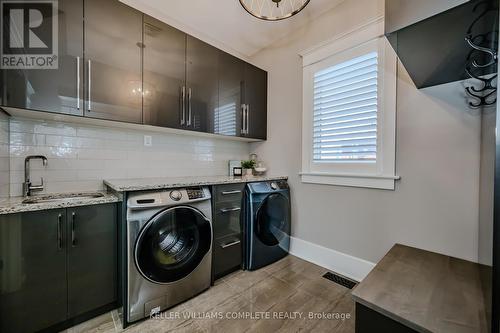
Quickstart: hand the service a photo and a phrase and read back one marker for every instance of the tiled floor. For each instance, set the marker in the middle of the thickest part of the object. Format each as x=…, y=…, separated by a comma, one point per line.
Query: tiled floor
x=267, y=300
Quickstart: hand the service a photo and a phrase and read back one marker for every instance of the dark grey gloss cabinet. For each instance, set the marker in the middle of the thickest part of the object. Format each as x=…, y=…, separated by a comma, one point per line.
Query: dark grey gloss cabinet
x=56, y=265
x=180, y=78
x=92, y=252
x=228, y=116
x=164, y=65
x=116, y=63
x=53, y=90
x=201, y=85
x=113, y=68
x=255, y=100
x=33, y=285
x=242, y=107
x=227, y=247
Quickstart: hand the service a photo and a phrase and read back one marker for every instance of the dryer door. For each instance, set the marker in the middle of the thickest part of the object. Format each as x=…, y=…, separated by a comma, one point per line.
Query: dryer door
x=272, y=222
x=172, y=244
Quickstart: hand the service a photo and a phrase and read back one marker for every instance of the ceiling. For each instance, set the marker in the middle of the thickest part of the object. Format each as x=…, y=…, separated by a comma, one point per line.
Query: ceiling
x=225, y=24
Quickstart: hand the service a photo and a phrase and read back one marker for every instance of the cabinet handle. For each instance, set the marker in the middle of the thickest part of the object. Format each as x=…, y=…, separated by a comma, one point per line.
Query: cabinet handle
x=230, y=192
x=73, y=238
x=89, y=107
x=247, y=129
x=190, y=113
x=227, y=210
x=183, y=105
x=224, y=246
x=243, y=108
x=59, y=232
x=78, y=83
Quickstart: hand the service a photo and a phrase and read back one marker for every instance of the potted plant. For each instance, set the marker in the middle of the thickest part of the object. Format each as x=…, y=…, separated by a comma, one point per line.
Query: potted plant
x=248, y=166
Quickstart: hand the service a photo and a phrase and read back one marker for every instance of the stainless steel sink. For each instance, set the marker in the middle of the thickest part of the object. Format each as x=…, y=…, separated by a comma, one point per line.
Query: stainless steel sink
x=61, y=197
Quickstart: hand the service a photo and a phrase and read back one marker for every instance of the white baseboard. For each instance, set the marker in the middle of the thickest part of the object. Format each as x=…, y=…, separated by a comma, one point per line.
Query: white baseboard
x=338, y=262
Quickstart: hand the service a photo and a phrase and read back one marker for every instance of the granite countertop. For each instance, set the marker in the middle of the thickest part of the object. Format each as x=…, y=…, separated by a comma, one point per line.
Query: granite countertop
x=426, y=291
x=141, y=184
x=15, y=204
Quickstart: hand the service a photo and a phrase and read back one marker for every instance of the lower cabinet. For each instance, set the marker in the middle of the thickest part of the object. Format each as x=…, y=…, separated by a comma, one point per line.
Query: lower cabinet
x=92, y=265
x=227, y=255
x=227, y=247
x=56, y=265
x=33, y=285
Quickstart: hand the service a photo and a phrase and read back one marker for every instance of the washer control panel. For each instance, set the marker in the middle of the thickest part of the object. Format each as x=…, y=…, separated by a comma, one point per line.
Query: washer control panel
x=175, y=195
x=195, y=193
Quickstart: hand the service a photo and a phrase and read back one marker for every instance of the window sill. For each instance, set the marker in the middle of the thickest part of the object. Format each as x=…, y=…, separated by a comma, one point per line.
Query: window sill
x=351, y=180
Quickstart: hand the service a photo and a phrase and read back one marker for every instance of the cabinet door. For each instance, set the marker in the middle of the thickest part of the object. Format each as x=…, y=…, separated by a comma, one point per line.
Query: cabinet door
x=202, y=85
x=164, y=74
x=256, y=102
x=228, y=115
x=33, y=290
x=54, y=90
x=113, y=48
x=92, y=263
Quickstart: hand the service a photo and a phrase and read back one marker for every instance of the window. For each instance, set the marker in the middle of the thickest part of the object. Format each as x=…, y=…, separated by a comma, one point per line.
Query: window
x=349, y=112
x=345, y=111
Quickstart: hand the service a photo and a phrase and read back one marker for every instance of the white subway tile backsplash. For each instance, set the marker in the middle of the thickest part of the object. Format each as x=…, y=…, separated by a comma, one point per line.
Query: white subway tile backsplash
x=80, y=157
x=30, y=139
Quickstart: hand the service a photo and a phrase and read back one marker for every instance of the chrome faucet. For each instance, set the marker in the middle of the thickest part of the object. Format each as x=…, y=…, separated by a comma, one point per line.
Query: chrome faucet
x=27, y=186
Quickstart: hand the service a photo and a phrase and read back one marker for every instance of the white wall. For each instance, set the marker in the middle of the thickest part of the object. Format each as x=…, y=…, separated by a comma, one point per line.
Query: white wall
x=81, y=156
x=4, y=155
x=434, y=206
x=487, y=182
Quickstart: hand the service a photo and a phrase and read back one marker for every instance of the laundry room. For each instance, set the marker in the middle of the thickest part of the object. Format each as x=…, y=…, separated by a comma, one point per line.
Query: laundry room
x=249, y=166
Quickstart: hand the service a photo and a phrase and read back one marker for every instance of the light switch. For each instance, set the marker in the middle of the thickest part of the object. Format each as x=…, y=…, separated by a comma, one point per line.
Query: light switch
x=148, y=140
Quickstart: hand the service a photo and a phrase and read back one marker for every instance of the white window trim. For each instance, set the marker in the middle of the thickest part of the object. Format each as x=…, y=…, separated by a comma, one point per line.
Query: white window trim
x=381, y=174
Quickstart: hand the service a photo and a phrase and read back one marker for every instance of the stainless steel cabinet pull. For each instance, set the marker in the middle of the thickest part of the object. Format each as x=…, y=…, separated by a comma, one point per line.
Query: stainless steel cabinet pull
x=78, y=83
x=190, y=113
x=89, y=107
x=230, y=192
x=246, y=119
x=247, y=129
x=227, y=210
x=73, y=239
x=183, y=105
x=243, y=108
x=230, y=244
x=59, y=232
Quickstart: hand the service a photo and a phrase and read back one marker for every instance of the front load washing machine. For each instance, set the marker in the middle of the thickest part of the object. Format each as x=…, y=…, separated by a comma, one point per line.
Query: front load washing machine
x=169, y=248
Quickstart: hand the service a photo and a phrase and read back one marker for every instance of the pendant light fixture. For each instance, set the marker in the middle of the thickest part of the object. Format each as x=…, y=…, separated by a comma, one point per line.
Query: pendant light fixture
x=273, y=10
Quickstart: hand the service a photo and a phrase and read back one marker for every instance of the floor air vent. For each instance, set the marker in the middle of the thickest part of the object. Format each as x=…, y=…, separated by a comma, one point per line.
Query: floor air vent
x=339, y=280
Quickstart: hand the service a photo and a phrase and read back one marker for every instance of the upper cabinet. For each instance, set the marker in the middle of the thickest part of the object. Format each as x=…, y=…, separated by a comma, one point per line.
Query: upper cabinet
x=164, y=101
x=201, y=85
x=255, y=103
x=228, y=115
x=113, y=48
x=242, y=109
x=54, y=90
x=116, y=63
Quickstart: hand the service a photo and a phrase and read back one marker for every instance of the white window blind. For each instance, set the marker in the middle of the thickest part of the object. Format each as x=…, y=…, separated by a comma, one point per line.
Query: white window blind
x=345, y=111
x=225, y=119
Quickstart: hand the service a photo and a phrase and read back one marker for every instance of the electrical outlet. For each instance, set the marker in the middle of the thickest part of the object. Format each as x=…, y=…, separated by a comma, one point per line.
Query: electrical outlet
x=148, y=140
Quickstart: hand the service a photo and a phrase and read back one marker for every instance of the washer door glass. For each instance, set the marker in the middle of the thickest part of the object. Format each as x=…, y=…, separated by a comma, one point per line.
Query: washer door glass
x=172, y=244
x=273, y=220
